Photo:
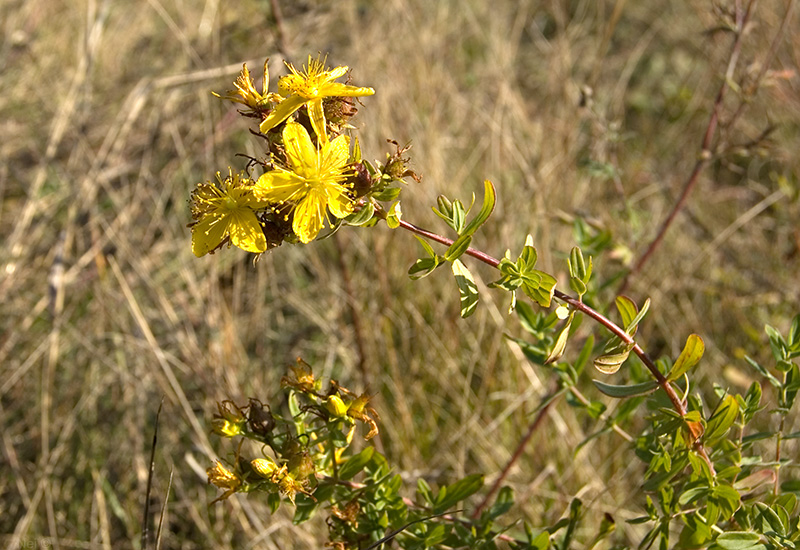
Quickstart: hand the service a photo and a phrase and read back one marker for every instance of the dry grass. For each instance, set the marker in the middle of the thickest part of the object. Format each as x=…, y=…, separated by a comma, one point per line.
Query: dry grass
x=107, y=123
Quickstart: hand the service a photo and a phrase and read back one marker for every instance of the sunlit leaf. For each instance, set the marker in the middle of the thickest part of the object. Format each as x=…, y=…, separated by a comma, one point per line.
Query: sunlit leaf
x=489, y=200
x=689, y=357
x=561, y=342
x=722, y=418
x=739, y=540
x=627, y=309
x=362, y=216
x=424, y=267
x=458, y=248
x=466, y=287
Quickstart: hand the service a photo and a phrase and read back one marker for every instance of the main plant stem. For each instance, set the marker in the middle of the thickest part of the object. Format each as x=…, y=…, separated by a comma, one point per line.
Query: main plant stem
x=663, y=383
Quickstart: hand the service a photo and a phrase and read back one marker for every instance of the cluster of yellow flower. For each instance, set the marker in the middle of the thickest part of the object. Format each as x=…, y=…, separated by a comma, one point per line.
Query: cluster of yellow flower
x=306, y=176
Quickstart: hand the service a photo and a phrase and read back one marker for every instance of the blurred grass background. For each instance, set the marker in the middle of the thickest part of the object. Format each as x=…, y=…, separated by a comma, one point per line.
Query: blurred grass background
x=108, y=123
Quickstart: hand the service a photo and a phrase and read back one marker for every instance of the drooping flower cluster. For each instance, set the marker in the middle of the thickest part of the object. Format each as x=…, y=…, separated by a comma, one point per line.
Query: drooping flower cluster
x=308, y=176
x=299, y=449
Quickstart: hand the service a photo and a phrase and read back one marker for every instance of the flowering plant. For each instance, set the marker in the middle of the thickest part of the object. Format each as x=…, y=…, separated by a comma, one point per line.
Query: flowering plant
x=702, y=478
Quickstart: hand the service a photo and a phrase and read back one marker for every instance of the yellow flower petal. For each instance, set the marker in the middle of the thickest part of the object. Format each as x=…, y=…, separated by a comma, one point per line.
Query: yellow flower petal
x=279, y=186
x=340, y=204
x=309, y=214
x=337, y=89
x=282, y=111
x=317, y=116
x=208, y=233
x=300, y=150
x=333, y=74
x=246, y=232
x=335, y=154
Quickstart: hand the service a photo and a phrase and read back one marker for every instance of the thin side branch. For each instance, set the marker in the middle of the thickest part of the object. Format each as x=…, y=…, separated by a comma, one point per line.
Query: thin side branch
x=706, y=152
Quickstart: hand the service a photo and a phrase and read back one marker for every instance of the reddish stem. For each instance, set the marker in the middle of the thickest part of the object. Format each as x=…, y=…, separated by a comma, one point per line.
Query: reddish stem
x=575, y=303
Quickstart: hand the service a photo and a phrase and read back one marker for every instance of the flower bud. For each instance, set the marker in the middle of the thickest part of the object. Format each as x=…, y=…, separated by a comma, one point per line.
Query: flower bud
x=259, y=418
x=335, y=406
x=222, y=477
x=230, y=420
x=301, y=466
x=264, y=467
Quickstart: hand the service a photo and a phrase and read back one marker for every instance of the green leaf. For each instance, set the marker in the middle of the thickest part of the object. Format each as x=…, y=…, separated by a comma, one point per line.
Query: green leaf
x=356, y=463
x=503, y=503
x=428, y=248
x=577, y=265
x=393, y=216
x=689, y=357
x=424, y=267
x=634, y=324
x=387, y=195
x=458, y=248
x=577, y=286
x=466, y=288
x=769, y=520
x=436, y=535
x=627, y=309
x=611, y=362
x=727, y=498
x=739, y=540
x=561, y=341
x=362, y=216
x=459, y=217
x=274, y=502
x=792, y=486
x=489, y=200
x=450, y=495
x=541, y=541
x=693, y=494
x=620, y=392
x=529, y=255
x=542, y=291
x=776, y=342
x=794, y=334
x=305, y=506
x=763, y=372
x=424, y=491
x=535, y=353
x=721, y=419
x=530, y=319
x=445, y=210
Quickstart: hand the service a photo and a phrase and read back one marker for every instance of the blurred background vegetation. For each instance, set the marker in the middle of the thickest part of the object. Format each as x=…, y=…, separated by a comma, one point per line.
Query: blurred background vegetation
x=576, y=109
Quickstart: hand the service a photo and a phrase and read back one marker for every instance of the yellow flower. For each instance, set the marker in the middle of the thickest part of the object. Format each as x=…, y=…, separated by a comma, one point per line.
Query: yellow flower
x=226, y=209
x=310, y=87
x=246, y=93
x=223, y=478
x=230, y=420
x=301, y=378
x=314, y=181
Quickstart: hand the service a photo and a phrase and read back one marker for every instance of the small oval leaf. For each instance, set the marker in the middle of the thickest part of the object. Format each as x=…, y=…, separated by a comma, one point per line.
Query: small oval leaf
x=632, y=390
x=609, y=364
